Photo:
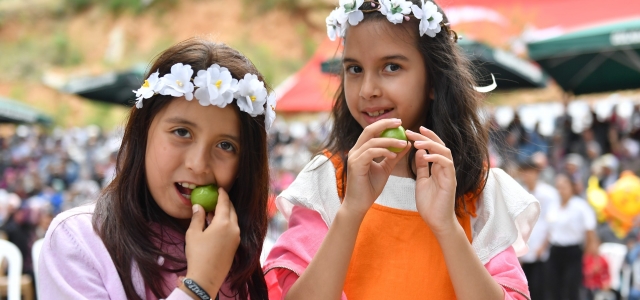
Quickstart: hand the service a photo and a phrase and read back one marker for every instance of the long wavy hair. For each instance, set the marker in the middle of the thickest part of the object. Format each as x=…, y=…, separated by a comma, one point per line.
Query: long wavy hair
x=126, y=208
x=453, y=113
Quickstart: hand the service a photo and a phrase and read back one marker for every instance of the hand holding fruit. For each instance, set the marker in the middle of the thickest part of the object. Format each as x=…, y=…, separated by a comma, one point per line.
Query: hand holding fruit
x=367, y=174
x=396, y=133
x=206, y=196
x=210, y=251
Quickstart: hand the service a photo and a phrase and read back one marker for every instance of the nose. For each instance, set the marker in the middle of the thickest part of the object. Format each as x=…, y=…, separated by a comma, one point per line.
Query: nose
x=198, y=159
x=370, y=88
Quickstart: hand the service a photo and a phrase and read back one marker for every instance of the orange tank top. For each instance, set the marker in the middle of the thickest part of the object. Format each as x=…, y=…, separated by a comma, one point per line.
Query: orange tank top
x=396, y=255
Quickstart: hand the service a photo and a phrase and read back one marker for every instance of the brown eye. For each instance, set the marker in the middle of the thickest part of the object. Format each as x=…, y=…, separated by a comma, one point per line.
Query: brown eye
x=354, y=69
x=392, y=68
x=181, y=132
x=226, y=146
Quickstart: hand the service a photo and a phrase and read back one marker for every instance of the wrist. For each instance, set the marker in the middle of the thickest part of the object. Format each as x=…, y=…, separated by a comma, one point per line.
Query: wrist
x=451, y=229
x=350, y=212
x=208, y=286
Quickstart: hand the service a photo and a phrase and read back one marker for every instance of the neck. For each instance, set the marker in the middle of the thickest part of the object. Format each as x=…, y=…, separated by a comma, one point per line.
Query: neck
x=401, y=169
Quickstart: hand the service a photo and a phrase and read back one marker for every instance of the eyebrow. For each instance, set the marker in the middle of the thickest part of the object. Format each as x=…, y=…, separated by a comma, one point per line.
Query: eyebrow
x=182, y=121
x=231, y=137
x=388, y=57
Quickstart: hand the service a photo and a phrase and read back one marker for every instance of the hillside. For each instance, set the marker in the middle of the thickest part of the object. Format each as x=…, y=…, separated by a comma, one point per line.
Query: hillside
x=53, y=40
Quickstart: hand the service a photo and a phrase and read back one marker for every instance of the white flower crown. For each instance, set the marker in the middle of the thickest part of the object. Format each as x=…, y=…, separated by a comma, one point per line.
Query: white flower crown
x=396, y=11
x=213, y=86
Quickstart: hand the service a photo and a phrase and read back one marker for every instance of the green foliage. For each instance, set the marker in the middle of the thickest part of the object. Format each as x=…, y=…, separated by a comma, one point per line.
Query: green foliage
x=79, y=5
x=63, y=53
x=117, y=6
x=271, y=4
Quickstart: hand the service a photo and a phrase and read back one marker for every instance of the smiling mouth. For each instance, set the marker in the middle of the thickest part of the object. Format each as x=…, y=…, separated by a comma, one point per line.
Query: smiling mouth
x=185, y=189
x=378, y=113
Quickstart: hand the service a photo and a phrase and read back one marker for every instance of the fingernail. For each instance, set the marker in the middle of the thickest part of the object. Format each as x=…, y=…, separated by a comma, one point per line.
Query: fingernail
x=425, y=128
x=195, y=208
x=397, y=120
x=401, y=143
x=409, y=131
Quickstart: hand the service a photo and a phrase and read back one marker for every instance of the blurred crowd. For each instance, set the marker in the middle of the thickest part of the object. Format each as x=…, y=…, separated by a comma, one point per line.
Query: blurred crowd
x=570, y=253
x=44, y=172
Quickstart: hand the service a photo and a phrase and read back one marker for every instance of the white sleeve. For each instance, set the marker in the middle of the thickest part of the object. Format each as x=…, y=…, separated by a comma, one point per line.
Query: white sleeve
x=314, y=188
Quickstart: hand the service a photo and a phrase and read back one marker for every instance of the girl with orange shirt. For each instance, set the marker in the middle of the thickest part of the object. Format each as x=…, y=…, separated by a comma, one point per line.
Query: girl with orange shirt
x=428, y=222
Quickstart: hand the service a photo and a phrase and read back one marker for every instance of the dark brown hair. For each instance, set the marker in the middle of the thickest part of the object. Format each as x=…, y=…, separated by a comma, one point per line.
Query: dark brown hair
x=126, y=207
x=453, y=114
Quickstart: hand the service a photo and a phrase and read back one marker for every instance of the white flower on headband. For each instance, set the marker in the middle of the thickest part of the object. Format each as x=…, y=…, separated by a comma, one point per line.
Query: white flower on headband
x=349, y=10
x=395, y=10
x=178, y=82
x=148, y=89
x=334, y=29
x=270, y=114
x=251, y=95
x=215, y=86
x=429, y=17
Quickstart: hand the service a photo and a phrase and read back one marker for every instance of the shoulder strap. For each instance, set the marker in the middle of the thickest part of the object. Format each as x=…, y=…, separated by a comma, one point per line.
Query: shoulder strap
x=337, y=164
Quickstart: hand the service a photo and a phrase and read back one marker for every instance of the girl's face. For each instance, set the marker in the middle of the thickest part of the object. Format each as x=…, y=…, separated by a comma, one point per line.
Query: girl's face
x=385, y=75
x=193, y=144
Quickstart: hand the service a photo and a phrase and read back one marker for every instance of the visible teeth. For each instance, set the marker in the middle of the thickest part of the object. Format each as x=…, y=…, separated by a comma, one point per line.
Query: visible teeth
x=187, y=185
x=187, y=196
x=376, y=113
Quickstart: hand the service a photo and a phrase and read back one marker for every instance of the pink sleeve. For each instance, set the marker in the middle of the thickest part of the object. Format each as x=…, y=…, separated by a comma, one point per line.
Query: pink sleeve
x=506, y=270
x=293, y=251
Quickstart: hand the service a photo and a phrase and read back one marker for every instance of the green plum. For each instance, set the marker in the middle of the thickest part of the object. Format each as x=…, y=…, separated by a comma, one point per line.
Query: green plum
x=396, y=133
x=206, y=196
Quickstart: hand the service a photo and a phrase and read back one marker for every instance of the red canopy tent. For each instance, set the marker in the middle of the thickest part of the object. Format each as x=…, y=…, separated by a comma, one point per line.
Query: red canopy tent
x=310, y=90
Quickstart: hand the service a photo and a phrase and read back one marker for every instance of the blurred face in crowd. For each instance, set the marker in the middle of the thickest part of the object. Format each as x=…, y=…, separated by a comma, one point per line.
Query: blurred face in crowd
x=529, y=177
x=565, y=187
x=194, y=145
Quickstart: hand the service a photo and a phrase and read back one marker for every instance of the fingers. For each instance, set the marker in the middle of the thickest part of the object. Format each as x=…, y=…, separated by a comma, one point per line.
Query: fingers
x=432, y=135
x=223, y=206
x=370, y=154
x=440, y=163
x=429, y=144
x=197, y=219
x=375, y=129
x=382, y=143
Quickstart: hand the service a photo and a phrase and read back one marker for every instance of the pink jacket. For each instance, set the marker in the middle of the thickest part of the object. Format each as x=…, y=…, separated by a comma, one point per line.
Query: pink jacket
x=75, y=264
x=295, y=248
